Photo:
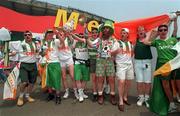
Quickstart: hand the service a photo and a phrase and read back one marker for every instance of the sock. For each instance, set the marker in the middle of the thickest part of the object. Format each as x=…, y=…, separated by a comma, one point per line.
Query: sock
x=67, y=89
x=21, y=95
x=112, y=93
x=100, y=92
x=141, y=96
x=27, y=95
x=146, y=97
x=94, y=93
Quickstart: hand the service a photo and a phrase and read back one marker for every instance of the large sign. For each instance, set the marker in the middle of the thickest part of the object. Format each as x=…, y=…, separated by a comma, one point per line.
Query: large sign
x=62, y=17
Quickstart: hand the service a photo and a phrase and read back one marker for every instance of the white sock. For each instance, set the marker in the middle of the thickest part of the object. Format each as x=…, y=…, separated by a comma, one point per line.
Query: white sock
x=146, y=97
x=112, y=93
x=21, y=95
x=141, y=95
x=67, y=89
x=27, y=95
x=100, y=92
x=94, y=93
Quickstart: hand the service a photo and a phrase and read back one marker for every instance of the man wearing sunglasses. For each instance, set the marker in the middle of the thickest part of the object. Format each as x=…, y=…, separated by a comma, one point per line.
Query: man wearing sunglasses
x=28, y=68
x=161, y=100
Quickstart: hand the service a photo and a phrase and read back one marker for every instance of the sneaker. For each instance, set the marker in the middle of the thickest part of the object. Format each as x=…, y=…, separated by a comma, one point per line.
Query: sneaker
x=81, y=98
x=140, y=101
x=30, y=99
x=178, y=99
x=84, y=95
x=20, y=101
x=147, y=104
x=66, y=94
x=76, y=94
x=172, y=107
x=146, y=98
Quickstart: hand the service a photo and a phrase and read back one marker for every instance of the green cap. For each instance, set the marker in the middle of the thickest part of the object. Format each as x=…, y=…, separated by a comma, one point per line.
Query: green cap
x=109, y=24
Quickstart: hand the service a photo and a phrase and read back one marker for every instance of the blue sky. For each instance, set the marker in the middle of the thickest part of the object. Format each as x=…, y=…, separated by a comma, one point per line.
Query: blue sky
x=122, y=10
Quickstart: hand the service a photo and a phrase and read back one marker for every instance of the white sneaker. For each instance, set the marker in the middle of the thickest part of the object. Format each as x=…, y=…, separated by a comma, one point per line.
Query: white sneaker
x=146, y=98
x=81, y=98
x=76, y=94
x=140, y=101
x=84, y=95
x=66, y=94
x=147, y=104
x=172, y=107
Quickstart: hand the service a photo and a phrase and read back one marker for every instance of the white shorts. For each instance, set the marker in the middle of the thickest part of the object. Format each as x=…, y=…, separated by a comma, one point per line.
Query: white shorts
x=125, y=72
x=143, y=70
x=66, y=63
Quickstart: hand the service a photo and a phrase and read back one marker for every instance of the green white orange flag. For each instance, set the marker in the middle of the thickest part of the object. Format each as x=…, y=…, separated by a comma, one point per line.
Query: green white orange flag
x=171, y=65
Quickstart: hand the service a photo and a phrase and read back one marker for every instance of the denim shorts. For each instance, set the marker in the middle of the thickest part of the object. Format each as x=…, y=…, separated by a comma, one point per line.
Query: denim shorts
x=143, y=70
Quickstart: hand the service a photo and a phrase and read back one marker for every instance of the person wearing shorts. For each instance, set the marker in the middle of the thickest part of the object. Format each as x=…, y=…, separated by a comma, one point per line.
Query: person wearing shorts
x=92, y=54
x=81, y=65
x=66, y=60
x=53, y=68
x=28, y=68
x=142, y=65
x=124, y=66
x=105, y=62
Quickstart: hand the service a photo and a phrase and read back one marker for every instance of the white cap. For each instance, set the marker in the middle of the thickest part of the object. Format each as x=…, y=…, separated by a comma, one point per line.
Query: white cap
x=125, y=29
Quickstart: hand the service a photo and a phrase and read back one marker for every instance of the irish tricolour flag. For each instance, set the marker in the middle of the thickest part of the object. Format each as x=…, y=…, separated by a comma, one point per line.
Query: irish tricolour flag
x=171, y=65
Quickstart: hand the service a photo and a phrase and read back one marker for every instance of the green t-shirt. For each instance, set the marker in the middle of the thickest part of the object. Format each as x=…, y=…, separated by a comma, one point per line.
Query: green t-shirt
x=142, y=51
x=164, y=51
x=92, y=51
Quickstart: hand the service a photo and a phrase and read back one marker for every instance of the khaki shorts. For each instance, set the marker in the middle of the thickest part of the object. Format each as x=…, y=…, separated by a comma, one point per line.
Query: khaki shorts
x=125, y=71
x=66, y=63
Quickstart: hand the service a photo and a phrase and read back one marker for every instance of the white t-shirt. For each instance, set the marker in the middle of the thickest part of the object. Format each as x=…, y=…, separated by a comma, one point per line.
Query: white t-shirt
x=26, y=55
x=125, y=56
x=81, y=51
x=64, y=52
x=52, y=51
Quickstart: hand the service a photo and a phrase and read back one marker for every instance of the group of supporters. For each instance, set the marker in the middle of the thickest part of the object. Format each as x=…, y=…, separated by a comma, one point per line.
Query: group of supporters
x=97, y=56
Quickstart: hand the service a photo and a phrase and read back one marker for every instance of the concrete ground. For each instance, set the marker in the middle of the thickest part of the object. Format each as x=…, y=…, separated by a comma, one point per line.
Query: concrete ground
x=71, y=107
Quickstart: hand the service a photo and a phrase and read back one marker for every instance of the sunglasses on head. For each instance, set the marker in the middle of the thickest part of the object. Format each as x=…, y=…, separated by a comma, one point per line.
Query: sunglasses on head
x=161, y=30
x=27, y=34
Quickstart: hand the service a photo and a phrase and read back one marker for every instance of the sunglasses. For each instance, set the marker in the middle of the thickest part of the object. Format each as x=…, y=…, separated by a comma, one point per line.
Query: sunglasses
x=27, y=34
x=94, y=32
x=161, y=30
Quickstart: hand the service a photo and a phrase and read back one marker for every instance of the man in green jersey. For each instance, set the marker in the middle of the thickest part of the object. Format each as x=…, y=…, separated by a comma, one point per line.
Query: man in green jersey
x=161, y=100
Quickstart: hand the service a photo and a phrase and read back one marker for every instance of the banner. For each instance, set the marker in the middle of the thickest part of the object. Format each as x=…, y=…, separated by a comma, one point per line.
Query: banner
x=15, y=21
x=149, y=24
x=10, y=86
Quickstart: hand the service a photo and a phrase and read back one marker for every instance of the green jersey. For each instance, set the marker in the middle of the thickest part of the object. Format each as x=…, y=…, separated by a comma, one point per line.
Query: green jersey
x=164, y=51
x=92, y=51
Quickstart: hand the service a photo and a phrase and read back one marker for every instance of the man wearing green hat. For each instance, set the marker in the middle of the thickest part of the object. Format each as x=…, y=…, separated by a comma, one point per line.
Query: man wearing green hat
x=105, y=62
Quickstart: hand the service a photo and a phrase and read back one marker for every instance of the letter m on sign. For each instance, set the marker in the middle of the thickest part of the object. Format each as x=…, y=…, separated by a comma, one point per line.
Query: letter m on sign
x=62, y=16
